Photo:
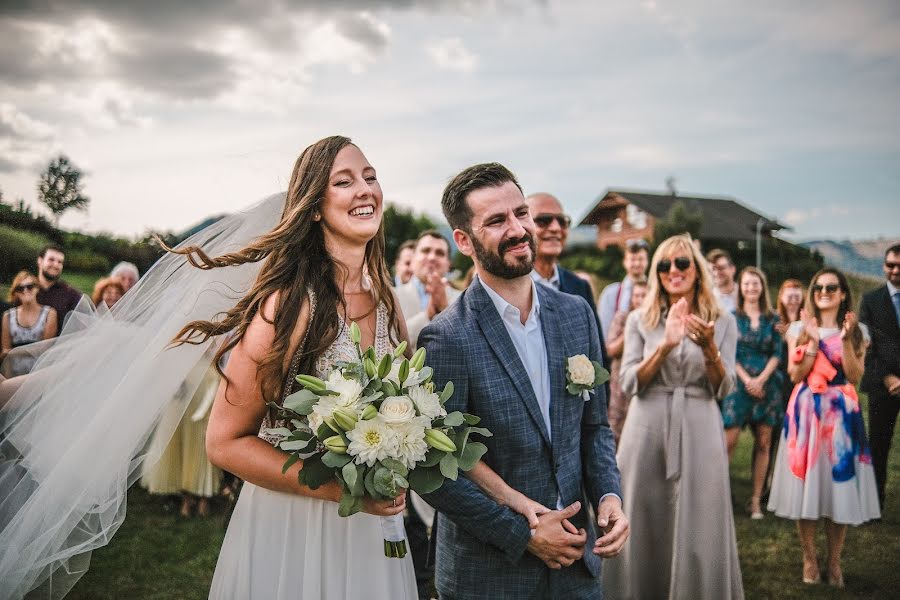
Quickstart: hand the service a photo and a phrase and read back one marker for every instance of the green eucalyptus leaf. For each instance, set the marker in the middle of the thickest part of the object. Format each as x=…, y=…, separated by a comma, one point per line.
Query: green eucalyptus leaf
x=280, y=432
x=481, y=431
x=369, y=483
x=448, y=391
x=471, y=419
x=349, y=474
x=335, y=460
x=454, y=419
x=395, y=466
x=384, y=483
x=424, y=480
x=293, y=445
x=433, y=457
x=301, y=402
x=449, y=467
x=289, y=463
x=471, y=455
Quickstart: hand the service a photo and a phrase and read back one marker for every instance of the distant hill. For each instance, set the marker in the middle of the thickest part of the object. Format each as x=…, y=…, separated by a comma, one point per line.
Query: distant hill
x=861, y=257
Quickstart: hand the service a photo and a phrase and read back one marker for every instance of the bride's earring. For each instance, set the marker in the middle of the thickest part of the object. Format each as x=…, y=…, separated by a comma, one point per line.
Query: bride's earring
x=317, y=217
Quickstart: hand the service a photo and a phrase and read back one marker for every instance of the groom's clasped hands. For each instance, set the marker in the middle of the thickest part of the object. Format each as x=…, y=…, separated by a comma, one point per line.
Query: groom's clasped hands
x=558, y=543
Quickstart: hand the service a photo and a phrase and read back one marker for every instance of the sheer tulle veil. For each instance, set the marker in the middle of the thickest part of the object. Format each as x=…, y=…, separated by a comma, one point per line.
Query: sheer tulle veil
x=75, y=435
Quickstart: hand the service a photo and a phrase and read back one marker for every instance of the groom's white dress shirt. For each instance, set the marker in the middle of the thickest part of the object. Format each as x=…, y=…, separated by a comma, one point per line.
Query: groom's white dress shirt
x=529, y=342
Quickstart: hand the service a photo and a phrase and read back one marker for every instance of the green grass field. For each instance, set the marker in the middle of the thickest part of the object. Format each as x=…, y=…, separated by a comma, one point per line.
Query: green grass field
x=159, y=555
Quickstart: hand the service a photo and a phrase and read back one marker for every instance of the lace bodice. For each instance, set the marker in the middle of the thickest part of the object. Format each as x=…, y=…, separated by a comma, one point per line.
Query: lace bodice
x=340, y=349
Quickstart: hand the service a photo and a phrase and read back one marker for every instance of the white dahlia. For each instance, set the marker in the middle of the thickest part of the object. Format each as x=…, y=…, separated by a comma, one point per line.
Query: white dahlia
x=428, y=403
x=371, y=441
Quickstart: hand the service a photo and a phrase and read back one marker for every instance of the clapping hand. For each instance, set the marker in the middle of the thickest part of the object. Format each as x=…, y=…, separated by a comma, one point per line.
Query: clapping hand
x=675, y=324
x=436, y=286
x=810, y=325
x=699, y=331
x=850, y=323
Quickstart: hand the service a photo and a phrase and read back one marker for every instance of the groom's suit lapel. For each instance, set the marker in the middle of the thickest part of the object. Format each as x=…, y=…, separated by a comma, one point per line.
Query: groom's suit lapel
x=556, y=362
x=501, y=344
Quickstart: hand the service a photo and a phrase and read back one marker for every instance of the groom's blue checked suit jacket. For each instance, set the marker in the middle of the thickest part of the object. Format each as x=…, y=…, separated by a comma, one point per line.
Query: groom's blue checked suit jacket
x=481, y=546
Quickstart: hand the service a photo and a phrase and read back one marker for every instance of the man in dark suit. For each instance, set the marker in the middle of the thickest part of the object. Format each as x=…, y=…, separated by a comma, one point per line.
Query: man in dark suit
x=880, y=311
x=505, y=344
x=551, y=229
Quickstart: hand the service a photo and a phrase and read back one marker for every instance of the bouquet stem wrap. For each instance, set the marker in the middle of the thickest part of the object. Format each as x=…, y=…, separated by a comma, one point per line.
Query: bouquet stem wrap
x=394, y=536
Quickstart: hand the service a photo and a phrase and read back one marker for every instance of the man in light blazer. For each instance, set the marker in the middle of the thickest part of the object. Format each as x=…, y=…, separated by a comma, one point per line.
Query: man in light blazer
x=427, y=293
x=505, y=345
x=880, y=311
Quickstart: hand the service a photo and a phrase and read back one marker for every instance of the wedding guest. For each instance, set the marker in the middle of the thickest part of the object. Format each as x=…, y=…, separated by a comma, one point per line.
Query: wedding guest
x=403, y=269
x=108, y=290
x=25, y=323
x=824, y=470
x=428, y=292
x=616, y=297
x=723, y=270
x=551, y=229
x=880, y=311
x=618, y=402
x=127, y=273
x=678, y=360
x=180, y=463
x=790, y=301
x=757, y=399
x=54, y=292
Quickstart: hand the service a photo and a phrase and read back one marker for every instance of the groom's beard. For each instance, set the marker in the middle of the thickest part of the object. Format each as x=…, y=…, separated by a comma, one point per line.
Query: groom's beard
x=495, y=264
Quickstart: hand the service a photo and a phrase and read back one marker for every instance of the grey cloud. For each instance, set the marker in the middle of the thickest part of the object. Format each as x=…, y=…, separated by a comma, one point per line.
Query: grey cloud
x=8, y=166
x=177, y=70
x=364, y=31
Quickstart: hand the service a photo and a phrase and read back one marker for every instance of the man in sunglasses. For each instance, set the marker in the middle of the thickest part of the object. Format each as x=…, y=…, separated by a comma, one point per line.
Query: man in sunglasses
x=616, y=297
x=723, y=271
x=551, y=231
x=880, y=311
x=53, y=291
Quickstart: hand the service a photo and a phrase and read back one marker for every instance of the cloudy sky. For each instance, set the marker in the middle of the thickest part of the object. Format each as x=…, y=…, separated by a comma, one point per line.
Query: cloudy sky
x=177, y=110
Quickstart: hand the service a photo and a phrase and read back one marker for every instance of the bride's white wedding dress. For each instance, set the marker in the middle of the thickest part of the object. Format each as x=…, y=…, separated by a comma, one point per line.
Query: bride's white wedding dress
x=284, y=546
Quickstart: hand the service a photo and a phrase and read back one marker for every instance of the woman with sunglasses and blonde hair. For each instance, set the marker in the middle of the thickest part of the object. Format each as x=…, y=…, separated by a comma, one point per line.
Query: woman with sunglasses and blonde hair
x=25, y=323
x=824, y=469
x=678, y=361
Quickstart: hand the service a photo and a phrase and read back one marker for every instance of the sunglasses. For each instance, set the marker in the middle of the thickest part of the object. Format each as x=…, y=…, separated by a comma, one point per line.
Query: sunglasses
x=829, y=289
x=27, y=287
x=545, y=220
x=890, y=266
x=682, y=263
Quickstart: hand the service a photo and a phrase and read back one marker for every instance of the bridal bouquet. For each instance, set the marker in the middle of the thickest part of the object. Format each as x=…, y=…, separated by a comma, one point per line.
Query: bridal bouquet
x=377, y=425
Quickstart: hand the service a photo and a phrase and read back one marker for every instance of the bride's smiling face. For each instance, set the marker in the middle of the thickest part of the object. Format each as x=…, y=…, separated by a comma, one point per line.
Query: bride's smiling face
x=352, y=206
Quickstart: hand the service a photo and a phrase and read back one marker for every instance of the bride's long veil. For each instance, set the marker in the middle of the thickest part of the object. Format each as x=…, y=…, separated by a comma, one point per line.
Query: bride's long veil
x=75, y=435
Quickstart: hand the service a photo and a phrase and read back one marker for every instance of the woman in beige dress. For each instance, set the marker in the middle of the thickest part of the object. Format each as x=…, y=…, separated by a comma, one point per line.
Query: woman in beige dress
x=678, y=361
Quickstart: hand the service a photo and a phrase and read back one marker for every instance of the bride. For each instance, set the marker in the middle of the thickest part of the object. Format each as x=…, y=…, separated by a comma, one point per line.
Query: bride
x=75, y=435
x=324, y=268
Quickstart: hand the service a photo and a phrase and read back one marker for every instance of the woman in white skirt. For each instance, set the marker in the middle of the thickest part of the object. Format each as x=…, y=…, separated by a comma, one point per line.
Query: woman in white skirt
x=824, y=469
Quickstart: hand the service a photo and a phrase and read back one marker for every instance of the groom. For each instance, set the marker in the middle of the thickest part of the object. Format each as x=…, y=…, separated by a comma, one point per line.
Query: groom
x=504, y=344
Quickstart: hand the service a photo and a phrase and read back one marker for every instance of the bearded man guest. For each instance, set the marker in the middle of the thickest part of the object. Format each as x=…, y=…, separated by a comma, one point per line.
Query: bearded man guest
x=525, y=530
x=428, y=292
x=551, y=229
x=54, y=292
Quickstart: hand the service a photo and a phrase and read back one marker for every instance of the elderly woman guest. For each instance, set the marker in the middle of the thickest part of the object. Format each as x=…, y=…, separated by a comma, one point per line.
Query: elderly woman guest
x=678, y=360
x=25, y=323
x=127, y=273
x=108, y=290
x=824, y=469
x=615, y=344
x=756, y=400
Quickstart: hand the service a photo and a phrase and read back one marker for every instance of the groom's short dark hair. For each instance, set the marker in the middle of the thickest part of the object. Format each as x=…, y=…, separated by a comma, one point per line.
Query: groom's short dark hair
x=456, y=208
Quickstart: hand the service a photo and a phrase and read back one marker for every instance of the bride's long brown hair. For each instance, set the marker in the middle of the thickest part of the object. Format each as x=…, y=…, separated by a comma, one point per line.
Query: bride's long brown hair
x=296, y=263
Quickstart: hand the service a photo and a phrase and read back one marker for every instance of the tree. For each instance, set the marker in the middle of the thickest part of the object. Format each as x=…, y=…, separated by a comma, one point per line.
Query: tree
x=680, y=219
x=60, y=188
x=401, y=225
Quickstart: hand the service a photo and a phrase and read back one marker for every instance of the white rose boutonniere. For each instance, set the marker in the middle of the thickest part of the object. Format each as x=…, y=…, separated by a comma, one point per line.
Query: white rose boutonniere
x=583, y=375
